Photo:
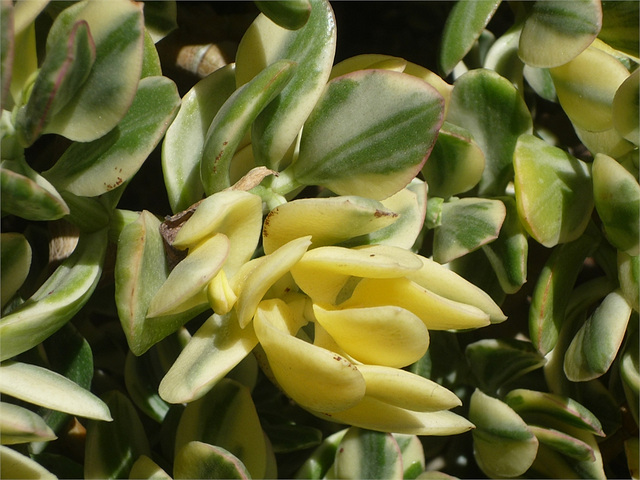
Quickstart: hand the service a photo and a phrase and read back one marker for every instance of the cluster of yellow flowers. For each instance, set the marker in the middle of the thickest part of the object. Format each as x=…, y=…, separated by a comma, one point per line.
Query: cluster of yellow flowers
x=333, y=318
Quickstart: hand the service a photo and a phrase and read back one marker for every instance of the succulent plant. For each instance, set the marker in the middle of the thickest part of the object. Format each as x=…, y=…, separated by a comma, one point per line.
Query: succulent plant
x=343, y=267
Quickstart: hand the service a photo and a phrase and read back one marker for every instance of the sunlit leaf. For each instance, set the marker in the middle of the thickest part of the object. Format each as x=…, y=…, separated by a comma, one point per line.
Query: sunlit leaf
x=6, y=51
x=625, y=108
x=16, y=465
x=368, y=454
x=144, y=467
x=287, y=14
x=201, y=460
x=628, y=277
x=19, y=425
x=16, y=260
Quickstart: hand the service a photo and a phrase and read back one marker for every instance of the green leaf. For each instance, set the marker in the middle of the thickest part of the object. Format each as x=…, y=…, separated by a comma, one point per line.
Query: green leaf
x=201, y=460
x=587, y=99
x=544, y=408
x=550, y=298
x=368, y=454
x=554, y=194
x=625, y=108
x=60, y=297
x=28, y=194
x=508, y=253
x=619, y=26
x=495, y=362
x=503, y=444
x=141, y=269
x=15, y=257
x=19, y=425
x=540, y=80
x=321, y=460
x=288, y=14
x=455, y=164
x=43, y=387
x=6, y=51
x=628, y=277
x=233, y=120
x=66, y=67
x=94, y=168
x=184, y=141
x=467, y=224
x=104, y=98
x=413, y=458
x=141, y=379
x=630, y=375
x=150, y=60
x=160, y=18
x=312, y=47
x=597, y=342
x=617, y=199
x=111, y=448
x=464, y=25
x=494, y=112
x=226, y=417
x=556, y=31
x=563, y=443
x=16, y=465
x=369, y=134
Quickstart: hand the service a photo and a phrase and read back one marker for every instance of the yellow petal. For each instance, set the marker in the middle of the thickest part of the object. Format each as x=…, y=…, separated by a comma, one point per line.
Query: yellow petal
x=221, y=296
x=265, y=274
x=314, y=377
x=407, y=390
x=327, y=220
x=437, y=313
x=377, y=415
x=235, y=213
x=190, y=277
x=448, y=284
x=384, y=335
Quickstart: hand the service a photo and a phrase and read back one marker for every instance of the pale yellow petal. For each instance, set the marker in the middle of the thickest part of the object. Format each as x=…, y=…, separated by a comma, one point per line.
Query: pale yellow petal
x=221, y=296
x=383, y=335
x=313, y=377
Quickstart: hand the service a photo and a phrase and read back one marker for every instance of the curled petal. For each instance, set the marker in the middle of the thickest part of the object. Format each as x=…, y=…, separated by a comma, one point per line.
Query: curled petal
x=407, y=390
x=437, y=313
x=377, y=415
x=314, y=377
x=221, y=296
x=384, y=335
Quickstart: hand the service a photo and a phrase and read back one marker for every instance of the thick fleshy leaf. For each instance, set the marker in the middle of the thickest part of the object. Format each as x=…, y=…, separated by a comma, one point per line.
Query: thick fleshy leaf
x=625, y=108
x=368, y=61
x=550, y=299
x=103, y=99
x=6, y=51
x=369, y=134
x=141, y=380
x=382, y=335
x=312, y=376
x=25, y=58
x=43, y=387
x=160, y=18
x=596, y=344
x=321, y=460
x=540, y=80
x=150, y=60
x=464, y=25
x=555, y=32
x=374, y=414
x=503, y=444
x=437, y=313
x=140, y=271
x=554, y=194
x=455, y=164
x=16, y=261
x=217, y=347
x=617, y=200
x=201, y=460
x=508, y=253
x=234, y=213
x=253, y=283
x=630, y=375
x=629, y=278
x=184, y=141
x=495, y=114
x=368, y=454
x=28, y=194
x=563, y=443
x=413, y=457
x=325, y=219
x=19, y=425
x=291, y=15
x=185, y=287
x=619, y=26
x=111, y=448
x=233, y=119
x=448, y=284
x=563, y=410
x=15, y=465
x=66, y=66
x=587, y=99
x=467, y=224
x=96, y=167
x=227, y=418
x=608, y=142
x=57, y=300
x=406, y=390
x=496, y=362
x=312, y=47
x=144, y=467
